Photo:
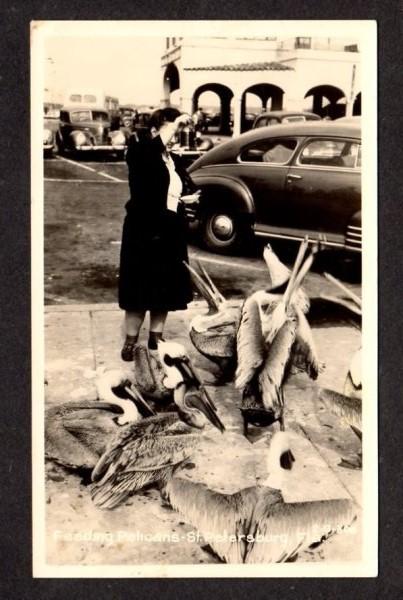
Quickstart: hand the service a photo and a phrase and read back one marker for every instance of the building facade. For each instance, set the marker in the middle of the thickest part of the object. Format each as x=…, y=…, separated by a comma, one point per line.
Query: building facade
x=302, y=73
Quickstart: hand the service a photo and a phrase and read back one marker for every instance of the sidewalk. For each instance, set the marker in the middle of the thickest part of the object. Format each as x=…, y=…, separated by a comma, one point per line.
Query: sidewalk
x=81, y=338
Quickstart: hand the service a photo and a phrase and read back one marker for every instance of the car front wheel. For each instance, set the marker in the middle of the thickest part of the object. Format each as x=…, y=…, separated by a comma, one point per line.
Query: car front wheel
x=222, y=230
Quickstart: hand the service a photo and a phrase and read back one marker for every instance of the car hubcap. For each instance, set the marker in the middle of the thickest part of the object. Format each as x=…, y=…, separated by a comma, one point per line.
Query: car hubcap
x=223, y=227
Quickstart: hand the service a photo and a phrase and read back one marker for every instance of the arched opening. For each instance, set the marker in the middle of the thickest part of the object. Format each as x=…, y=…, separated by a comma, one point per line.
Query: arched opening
x=258, y=98
x=219, y=114
x=327, y=101
x=171, y=81
x=357, y=105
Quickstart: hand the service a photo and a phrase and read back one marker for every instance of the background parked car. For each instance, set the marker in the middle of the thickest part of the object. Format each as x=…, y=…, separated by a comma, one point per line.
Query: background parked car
x=84, y=129
x=275, y=117
x=283, y=181
x=51, y=112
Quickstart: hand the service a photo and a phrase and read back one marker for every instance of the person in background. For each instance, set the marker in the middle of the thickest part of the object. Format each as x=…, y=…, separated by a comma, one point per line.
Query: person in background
x=152, y=275
x=199, y=120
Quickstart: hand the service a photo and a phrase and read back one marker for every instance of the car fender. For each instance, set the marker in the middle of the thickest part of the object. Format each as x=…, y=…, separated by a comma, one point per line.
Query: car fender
x=239, y=192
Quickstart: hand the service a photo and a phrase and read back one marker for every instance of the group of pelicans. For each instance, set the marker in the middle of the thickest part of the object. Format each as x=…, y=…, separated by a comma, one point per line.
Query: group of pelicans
x=145, y=424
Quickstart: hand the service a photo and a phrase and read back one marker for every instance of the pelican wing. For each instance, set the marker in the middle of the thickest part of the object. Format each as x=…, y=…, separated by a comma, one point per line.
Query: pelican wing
x=218, y=341
x=76, y=433
x=281, y=530
x=221, y=519
x=145, y=461
x=347, y=408
x=250, y=343
x=130, y=434
x=272, y=374
x=304, y=354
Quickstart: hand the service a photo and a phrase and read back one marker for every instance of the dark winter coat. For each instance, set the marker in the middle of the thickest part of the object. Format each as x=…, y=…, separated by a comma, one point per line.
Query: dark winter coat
x=152, y=275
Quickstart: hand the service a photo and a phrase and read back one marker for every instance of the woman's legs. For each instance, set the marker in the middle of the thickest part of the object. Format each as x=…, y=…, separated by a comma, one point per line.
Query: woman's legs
x=157, y=322
x=133, y=323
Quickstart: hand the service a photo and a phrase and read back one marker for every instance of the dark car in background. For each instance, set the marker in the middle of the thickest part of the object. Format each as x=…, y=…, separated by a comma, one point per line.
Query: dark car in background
x=83, y=129
x=51, y=113
x=283, y=181
x=275, y=117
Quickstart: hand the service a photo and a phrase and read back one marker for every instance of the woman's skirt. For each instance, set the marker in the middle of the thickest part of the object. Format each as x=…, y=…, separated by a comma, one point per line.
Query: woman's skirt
x=152, y=274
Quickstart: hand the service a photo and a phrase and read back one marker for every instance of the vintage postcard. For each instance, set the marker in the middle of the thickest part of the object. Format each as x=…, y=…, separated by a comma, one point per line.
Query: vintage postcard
x=204, y=250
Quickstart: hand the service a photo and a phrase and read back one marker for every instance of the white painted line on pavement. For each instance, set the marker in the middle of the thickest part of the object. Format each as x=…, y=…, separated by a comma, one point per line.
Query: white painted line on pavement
x=217, y=261
x=111, y=177
x=87, y=168
x=229, y=263
x=59, y=180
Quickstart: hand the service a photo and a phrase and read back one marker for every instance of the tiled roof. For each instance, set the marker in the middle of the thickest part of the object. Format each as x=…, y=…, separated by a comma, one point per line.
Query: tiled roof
x=260, y=66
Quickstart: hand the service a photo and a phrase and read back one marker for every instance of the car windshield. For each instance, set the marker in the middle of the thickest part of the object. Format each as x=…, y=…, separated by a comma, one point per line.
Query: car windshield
x=294, y=119
x=81, y=116
x=98, y=115
x=89, y=98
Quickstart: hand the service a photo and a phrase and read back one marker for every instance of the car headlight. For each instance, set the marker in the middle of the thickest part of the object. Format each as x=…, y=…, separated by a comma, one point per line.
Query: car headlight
x=117, y=138
x=79, y=138
x=47, y=136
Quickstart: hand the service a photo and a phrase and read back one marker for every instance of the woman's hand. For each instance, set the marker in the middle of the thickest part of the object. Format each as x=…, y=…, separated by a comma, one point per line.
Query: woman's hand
x=183, y=120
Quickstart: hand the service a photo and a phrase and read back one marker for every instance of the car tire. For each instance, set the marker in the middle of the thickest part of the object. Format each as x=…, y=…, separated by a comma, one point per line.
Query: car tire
x=222, y=230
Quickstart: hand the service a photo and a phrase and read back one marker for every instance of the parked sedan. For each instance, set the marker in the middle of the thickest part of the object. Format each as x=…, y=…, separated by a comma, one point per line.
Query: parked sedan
x=84, y=129
x=283, y=181
x=275, y=117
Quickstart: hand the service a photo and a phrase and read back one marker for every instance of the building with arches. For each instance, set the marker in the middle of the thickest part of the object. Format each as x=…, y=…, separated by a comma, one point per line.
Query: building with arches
x=317, y=74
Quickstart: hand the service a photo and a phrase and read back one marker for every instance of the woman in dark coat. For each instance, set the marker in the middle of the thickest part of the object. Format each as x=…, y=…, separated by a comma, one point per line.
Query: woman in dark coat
x=152, y=274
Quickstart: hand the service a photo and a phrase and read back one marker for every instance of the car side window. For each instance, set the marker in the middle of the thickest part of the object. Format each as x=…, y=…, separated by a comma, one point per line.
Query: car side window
x=331, y=153
x=275, y=151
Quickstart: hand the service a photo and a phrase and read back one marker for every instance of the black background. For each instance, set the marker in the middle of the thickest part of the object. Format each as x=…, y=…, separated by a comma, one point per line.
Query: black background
x=15, y=325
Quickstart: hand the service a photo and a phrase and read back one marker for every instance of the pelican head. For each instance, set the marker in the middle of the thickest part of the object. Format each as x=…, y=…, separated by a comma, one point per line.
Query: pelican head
x=116, y=387
x=279, y=459
x=195, y=407
x=278, y=272
x=207, y=288
x=193, y=402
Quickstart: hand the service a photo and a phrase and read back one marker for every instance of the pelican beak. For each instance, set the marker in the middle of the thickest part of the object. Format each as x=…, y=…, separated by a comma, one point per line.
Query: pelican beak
x=139, y=401
x=191, y=377
x=198, y=401
x=206, y=287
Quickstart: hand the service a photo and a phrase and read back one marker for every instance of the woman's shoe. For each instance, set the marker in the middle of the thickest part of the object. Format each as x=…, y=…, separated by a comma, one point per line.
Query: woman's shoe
x=128, y=347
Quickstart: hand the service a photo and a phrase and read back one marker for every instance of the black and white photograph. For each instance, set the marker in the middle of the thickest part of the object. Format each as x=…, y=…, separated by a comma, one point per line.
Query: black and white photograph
x=204, y=251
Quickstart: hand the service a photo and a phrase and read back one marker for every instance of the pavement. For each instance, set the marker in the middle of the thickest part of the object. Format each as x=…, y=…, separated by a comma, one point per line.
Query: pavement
x=80, y=338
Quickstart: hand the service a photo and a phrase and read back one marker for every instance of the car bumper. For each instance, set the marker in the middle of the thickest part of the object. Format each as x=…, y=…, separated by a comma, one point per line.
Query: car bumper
x=86, y=148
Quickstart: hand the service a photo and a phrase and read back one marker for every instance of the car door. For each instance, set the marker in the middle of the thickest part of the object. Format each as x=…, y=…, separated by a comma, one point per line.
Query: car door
x=263, y=166
x=323, y=186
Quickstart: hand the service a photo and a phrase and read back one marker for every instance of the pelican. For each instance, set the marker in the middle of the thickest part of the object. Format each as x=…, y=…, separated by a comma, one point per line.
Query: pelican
x=347, y=406
x=214, y=334
x=77, y=432
x=150, y=370
x=148, y=452
x=255, y=524
x=349, y=411
x=274, y=340
x=350, y=300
